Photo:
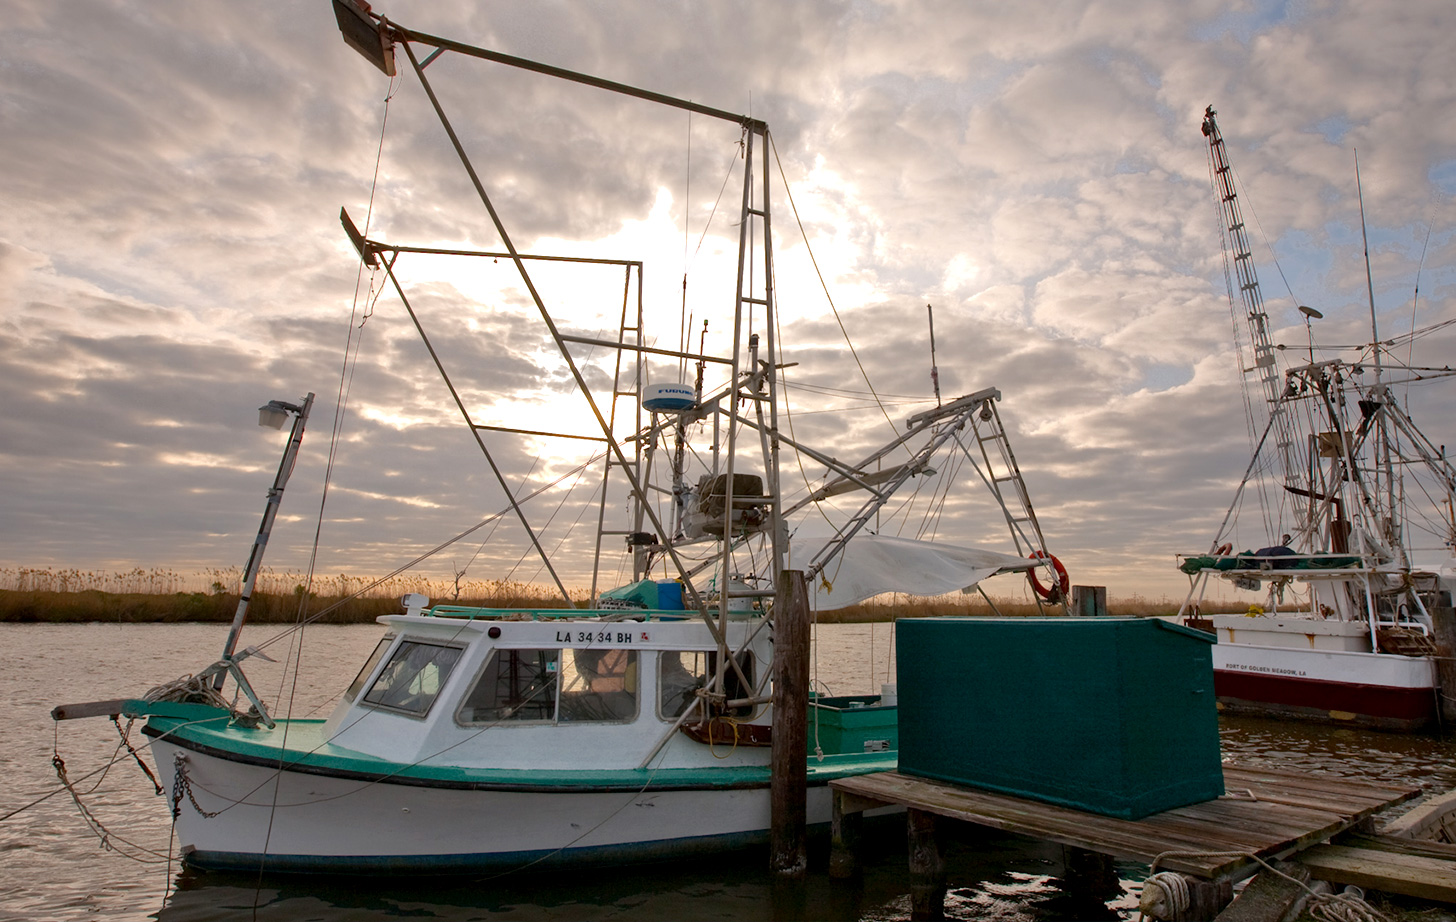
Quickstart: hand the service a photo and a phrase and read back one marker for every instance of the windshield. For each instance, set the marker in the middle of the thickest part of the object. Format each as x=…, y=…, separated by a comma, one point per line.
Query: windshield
x=369, y=664
x=413, y=677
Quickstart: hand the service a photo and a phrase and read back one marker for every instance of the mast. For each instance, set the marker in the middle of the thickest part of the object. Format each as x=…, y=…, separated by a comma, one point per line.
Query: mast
x=934, y=372
x=377, y=38
x=1390, y=522
x=272, y=414
x=1246, y=278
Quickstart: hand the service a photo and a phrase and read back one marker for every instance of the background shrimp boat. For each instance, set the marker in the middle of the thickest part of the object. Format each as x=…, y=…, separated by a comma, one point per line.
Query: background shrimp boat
x=651, y=723
x=1350, y=620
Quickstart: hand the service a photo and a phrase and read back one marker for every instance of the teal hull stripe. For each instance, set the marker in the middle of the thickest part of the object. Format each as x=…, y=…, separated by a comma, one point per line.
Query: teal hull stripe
x=244, y=747
x=755, y=777
x=603, y=855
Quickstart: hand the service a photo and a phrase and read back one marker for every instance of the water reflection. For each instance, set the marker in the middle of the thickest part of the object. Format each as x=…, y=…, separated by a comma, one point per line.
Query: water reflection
x=1426, y=761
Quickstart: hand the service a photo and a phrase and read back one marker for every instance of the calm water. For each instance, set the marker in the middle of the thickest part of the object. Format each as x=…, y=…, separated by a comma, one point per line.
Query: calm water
x=53, y=867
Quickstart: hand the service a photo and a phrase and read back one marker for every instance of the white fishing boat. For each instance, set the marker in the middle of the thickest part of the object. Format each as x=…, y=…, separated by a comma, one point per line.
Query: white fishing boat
x=1353, y=569
x=649, y=724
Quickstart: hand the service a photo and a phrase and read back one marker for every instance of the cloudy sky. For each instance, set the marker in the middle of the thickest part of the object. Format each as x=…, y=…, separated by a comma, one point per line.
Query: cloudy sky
x=171, y=255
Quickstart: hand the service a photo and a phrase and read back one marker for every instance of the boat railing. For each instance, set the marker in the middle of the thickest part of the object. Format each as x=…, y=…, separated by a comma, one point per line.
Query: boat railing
x=1412, y=623
x=475, y=613
x=1276, y=564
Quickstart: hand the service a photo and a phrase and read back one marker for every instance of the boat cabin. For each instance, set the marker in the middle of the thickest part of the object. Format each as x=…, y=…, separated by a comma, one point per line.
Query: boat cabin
x=516, y=688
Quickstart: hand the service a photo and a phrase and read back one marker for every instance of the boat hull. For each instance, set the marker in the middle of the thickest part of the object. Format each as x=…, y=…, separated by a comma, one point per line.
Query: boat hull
x=1377, y=690
x=315, y=822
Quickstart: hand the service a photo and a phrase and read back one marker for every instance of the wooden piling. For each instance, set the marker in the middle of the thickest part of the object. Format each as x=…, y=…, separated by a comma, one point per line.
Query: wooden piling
x=1443, y=620
x=927, y=866
x=788, y=857
x=1089, y=876
x=1088, y=601
x=846, y=827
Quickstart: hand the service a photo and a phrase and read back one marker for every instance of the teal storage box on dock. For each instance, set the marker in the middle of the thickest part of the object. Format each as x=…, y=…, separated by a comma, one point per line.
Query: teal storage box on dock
x=1111, y=715
x=851, y=724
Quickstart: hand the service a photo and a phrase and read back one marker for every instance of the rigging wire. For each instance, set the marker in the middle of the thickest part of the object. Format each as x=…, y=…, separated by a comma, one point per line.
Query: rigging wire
x=341, y=403
x=798, y=455
x=865, y=406
x=572, y=527
x=685, y=327
x=1265, y=237
x=1416, y=298
x=425, y=556
x=845, y=392
x=684, y=335
x=808, y=248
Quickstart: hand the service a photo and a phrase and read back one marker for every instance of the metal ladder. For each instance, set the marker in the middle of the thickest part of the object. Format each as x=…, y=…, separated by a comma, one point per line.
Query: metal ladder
x=629, y=376
x=1002, y=470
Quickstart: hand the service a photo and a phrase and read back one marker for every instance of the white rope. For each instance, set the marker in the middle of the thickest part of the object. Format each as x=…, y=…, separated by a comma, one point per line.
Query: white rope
x=1170, y=892
x=190, y=689
x=1164, y=896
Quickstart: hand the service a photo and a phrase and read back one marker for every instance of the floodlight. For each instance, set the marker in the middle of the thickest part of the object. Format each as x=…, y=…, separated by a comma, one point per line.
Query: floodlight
x=274, y=414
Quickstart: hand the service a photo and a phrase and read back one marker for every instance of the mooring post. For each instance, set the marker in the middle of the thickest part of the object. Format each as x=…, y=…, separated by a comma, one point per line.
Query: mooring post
x=1195, y=900
x=927, y=867
x=790, y=757
x=846, y=824
x=1443, y=621
x=1090, y=877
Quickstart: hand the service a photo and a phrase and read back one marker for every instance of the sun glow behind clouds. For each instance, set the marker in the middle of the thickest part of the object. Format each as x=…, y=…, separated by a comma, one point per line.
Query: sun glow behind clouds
x=203, y=459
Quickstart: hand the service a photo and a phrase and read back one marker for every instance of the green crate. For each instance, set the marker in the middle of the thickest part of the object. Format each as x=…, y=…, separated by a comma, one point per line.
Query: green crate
x=1111, y=715
x=853, y=724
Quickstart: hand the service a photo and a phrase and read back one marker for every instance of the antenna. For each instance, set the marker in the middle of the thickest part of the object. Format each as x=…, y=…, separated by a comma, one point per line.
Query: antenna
x=934, y=372
x=1369, y=282
x=1391, y=525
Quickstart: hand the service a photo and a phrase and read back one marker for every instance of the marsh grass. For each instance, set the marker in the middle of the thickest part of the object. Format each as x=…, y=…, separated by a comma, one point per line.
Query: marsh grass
x=69, y=595
x=160, y=594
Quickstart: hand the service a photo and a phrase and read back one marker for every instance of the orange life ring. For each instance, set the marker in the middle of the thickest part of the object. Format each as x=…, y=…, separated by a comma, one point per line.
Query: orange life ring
x=1223, y=549
x=1049, y=593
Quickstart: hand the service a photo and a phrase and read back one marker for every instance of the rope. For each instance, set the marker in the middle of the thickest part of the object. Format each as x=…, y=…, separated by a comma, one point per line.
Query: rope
x=1170, y=892
x=109, y=839
x=188, y=689
x=1164, y=896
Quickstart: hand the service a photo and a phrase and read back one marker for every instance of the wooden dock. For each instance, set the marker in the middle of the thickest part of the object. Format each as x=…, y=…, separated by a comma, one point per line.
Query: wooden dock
x=1425, y=870
x=1269, y=813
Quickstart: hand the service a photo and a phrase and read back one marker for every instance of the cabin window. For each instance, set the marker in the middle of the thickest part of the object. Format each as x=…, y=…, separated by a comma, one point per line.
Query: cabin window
x=413, y=677
x=515, y=685
x=598, y=685
x=681, y=673
x=562, y=686
x=369, y=664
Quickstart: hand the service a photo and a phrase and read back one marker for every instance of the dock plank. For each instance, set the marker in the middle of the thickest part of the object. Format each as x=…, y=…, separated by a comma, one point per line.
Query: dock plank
x=1399, y=845
x=1066, y=826
x=1409, y=875
x=1270, y=813
x=1274, y=782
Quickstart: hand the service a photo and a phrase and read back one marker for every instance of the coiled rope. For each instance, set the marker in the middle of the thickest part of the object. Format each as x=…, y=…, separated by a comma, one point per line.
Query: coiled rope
x=1165, y=895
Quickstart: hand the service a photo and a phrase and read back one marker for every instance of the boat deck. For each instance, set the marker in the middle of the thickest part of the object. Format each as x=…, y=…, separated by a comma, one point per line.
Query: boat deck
x=1266, y=812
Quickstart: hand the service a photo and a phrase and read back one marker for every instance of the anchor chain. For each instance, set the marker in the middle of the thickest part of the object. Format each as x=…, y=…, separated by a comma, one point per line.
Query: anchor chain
x=181, y=784
x=134, y=754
